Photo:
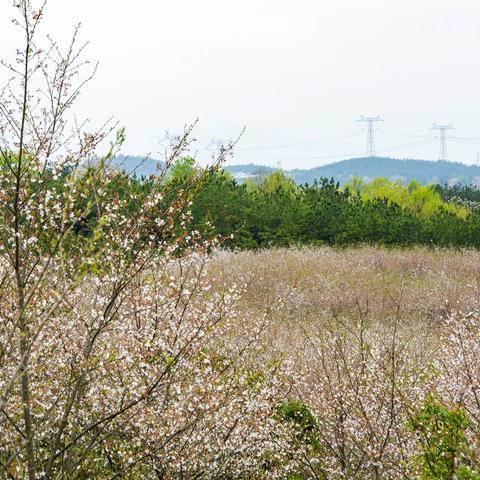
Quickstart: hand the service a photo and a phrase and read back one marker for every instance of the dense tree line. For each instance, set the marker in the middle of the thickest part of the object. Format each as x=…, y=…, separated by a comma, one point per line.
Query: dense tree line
x=276, y=212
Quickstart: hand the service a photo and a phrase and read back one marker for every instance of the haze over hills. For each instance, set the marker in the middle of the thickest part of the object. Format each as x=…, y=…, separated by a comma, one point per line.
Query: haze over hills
x=424, y=171
x=136, y=165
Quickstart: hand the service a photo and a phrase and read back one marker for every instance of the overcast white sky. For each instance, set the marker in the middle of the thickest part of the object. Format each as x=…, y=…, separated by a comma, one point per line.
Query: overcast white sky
x=289, y=71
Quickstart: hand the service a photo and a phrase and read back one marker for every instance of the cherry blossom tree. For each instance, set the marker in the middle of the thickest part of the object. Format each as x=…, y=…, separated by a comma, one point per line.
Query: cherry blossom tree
x=117, y=359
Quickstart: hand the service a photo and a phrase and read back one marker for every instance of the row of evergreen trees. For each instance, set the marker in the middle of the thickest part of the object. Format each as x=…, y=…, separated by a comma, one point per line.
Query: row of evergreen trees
x=273, y=211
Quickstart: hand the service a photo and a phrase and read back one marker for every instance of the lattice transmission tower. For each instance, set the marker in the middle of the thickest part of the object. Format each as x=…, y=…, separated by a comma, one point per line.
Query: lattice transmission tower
x=370, y=121
x=443, y=135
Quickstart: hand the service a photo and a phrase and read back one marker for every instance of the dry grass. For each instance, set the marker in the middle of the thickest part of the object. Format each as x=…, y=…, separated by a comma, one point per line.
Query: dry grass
x=307, y=289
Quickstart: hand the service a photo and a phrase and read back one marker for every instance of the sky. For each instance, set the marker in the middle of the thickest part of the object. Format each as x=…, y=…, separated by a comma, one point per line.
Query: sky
x=297, y=75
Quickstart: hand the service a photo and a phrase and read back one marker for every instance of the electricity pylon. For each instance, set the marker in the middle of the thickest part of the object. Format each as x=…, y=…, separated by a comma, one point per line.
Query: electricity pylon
x=443, y=135
x=370, y=121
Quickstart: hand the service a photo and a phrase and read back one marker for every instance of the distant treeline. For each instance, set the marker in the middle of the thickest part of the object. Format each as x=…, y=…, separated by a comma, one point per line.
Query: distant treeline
x=273, y=211
x=423, y=171
x=276, y=212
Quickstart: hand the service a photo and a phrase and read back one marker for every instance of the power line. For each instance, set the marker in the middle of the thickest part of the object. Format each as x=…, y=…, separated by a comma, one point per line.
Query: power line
x=404, y=134
x=371, y=150
x=445, y=133
x=443, y=129
x=466, y=140
x=370, y=121
x=342, y=136
x=351, y=155
x=408, y=145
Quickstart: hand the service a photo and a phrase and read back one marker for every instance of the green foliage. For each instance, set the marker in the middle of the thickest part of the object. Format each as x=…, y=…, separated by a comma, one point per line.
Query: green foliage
x=422, y=200
x=277, y=182
x=305, y=440
x=275, y=212
x=182, y=170
x=442, y=441
x=295, y=413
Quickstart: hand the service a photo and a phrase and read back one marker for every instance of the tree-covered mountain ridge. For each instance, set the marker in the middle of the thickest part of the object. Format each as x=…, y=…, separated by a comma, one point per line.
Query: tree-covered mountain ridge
x=367, y=168
x=423, y=171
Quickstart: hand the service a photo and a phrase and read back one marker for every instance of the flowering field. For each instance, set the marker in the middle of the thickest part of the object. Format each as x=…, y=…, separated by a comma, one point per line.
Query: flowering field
x=417, y=286
x=381, y=348
x=132, y=346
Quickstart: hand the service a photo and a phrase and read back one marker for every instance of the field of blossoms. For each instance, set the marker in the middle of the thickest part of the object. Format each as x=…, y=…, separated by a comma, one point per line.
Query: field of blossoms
x=381, y=350
x=134, y=347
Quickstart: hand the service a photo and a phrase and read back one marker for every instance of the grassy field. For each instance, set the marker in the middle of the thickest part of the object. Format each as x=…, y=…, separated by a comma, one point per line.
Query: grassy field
x=373, y=340
x=312, y=287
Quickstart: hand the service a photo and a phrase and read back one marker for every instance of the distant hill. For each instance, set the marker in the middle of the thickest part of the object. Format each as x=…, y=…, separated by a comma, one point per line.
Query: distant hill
x=424, y=171
x=140, y=166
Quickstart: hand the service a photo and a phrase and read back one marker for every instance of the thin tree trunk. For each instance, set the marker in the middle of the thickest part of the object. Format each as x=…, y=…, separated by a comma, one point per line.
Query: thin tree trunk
x=22, y=323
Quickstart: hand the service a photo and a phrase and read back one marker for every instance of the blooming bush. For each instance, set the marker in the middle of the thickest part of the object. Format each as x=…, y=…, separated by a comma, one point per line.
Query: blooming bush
x=117, y=359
